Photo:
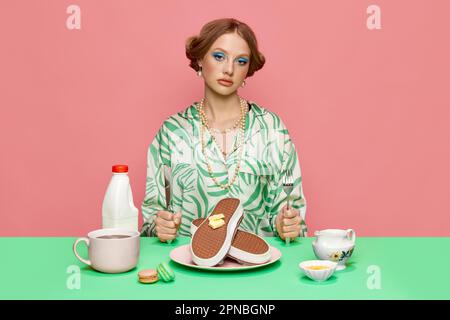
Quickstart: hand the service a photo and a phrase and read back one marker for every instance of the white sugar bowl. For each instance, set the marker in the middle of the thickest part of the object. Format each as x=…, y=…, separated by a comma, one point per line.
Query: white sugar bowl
x=335, y=245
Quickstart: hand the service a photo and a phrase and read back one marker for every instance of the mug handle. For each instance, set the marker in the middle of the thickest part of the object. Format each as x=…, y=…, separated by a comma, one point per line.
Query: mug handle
x=86, y=240
x=351, y=235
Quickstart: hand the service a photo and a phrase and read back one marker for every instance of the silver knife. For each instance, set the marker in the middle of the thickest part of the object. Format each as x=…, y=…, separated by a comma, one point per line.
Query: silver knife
x=168, y=193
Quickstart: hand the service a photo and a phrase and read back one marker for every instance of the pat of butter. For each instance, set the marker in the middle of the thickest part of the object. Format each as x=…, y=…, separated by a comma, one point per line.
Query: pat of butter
x=216, y=223
x=216, y=217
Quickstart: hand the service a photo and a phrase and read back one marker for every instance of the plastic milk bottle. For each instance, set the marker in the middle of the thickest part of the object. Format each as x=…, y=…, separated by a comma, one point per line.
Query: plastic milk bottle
x=118, y=209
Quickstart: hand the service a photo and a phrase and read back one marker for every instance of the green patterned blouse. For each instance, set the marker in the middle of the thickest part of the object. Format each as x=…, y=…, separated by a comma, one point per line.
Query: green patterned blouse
x=176, y=170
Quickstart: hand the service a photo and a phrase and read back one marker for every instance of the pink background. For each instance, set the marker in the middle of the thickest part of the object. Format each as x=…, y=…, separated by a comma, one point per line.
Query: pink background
x=368, y=110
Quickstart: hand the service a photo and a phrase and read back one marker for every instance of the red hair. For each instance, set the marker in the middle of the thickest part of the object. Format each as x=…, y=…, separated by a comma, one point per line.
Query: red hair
x=198, y=46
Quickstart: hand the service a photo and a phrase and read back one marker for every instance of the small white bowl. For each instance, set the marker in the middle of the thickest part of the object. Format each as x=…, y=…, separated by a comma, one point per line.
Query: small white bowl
x=318, y=275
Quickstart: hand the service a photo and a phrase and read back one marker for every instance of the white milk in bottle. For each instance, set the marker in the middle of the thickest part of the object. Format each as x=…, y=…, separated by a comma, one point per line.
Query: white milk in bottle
x=118, y=209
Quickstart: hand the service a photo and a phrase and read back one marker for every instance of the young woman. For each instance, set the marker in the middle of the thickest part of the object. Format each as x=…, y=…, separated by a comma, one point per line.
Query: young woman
x=223, y=146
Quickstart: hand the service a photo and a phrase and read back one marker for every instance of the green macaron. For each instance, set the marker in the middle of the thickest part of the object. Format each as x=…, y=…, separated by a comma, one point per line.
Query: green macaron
x=165, y=272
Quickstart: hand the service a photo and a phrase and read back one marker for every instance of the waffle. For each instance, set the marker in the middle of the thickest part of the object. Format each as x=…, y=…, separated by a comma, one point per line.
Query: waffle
x=209, y=246
x=246, y=247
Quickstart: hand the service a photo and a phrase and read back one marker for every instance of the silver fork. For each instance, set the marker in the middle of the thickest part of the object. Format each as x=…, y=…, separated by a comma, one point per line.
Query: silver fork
x=288, y=185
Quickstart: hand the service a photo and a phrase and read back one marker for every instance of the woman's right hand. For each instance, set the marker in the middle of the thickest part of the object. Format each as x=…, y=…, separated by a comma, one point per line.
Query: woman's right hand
x=167, y=225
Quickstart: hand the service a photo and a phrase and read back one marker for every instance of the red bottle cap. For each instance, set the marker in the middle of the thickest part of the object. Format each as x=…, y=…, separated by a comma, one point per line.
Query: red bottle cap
x=120, y=168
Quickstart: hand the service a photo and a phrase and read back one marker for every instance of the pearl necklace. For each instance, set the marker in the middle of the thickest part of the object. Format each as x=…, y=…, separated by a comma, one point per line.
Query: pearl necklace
x=241, y=123
x=236, y=124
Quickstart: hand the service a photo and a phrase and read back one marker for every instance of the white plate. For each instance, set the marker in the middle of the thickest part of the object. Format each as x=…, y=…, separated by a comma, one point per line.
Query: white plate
x=182, y=255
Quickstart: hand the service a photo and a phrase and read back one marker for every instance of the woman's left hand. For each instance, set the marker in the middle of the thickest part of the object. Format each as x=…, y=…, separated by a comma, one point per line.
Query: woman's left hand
x=288, y=223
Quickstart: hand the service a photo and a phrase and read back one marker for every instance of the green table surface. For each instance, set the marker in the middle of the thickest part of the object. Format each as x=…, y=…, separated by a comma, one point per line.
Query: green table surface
x=407, y=268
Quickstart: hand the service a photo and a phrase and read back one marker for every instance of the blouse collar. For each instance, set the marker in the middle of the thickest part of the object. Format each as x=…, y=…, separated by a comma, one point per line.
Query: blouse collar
x=191, y=112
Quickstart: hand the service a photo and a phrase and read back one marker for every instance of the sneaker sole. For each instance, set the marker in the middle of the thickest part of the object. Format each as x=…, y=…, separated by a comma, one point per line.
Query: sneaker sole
x=246, y=247
x=209, y=246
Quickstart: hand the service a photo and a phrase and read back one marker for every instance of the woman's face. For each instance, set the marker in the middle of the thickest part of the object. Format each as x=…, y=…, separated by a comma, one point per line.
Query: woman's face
x=227, y=59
